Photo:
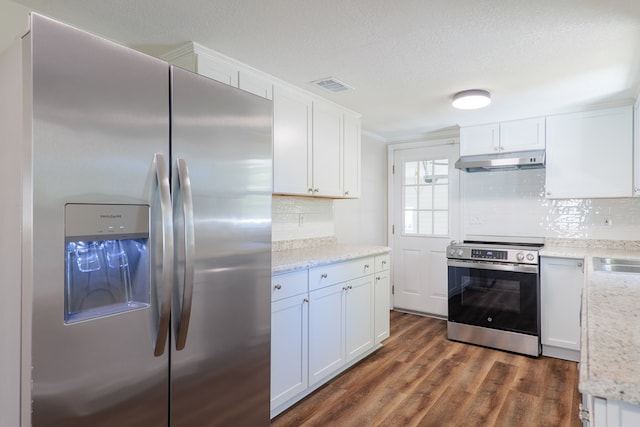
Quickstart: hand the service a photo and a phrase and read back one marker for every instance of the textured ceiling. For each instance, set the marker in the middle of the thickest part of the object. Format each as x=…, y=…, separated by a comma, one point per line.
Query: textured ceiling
x=405, y=59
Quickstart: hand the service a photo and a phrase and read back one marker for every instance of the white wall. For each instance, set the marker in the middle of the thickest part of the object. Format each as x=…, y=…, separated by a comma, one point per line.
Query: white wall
x=364, y=220
x=513, y=203
x=13, y=22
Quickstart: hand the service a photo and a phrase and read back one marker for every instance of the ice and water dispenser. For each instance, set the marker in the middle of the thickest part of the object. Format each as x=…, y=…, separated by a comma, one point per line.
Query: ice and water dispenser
x=106, y=260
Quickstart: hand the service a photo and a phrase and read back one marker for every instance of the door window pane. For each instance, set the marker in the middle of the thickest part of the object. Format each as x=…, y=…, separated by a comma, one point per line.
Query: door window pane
x=426, y=197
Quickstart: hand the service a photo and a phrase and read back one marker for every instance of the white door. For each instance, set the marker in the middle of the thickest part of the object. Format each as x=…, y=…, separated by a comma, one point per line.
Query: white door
x=425, y=193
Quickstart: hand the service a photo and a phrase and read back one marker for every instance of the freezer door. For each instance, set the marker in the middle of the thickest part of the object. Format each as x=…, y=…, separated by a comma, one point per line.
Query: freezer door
x=222, y=136
x=100, y=114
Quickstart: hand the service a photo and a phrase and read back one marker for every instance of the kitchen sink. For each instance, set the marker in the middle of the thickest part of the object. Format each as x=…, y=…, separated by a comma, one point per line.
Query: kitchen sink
x=616, y=265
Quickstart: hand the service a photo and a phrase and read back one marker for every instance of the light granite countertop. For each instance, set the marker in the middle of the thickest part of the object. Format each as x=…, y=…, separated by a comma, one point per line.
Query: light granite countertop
x=610, y=349
x=283, y=261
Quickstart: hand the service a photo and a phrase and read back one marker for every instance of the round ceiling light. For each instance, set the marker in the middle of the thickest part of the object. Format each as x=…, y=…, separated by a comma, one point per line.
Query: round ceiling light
x=471, y=99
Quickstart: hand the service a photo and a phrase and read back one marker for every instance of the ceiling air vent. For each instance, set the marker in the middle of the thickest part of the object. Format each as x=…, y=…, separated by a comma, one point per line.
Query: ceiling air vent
x=332, y=85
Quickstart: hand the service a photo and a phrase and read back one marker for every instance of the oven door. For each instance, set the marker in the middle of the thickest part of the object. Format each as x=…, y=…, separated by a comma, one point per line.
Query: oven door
x=494, y=295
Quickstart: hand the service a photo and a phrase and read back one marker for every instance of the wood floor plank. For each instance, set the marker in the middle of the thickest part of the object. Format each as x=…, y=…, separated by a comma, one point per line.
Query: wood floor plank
x=419, y=378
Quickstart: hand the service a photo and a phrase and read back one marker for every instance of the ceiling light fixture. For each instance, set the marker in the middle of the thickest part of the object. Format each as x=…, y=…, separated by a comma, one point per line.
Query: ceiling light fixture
x=471, y=99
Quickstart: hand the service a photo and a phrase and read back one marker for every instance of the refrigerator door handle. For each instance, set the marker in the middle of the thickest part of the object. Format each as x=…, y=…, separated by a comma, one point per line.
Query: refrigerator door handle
x=184, y=184
x=164, y=284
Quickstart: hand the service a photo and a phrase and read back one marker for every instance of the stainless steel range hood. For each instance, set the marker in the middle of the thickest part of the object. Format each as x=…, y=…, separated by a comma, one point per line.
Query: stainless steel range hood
x=502, y=161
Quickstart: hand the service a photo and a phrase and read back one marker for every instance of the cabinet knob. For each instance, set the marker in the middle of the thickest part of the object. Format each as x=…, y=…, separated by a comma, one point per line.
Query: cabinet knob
x=384, y=262
x=378, y=278
x=579, y=264
x=310, y=190
x=316, y=190
x=548, y=193
x=366, y=266
x=346, y=193
x=305, y=301
x=323, y=276
x=277, y=287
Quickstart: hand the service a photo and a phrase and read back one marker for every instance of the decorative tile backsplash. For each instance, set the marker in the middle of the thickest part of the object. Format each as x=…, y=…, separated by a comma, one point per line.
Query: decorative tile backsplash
x=296, y=218
x=513, y=203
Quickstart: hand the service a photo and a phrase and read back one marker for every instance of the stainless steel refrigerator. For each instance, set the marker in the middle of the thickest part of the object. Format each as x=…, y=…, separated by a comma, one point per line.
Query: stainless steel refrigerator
x=136, y=238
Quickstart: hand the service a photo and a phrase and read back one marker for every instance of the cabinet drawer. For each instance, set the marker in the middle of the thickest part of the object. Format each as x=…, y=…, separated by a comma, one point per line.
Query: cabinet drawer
x=330, y=274
x=383, y=262
x=288, y=284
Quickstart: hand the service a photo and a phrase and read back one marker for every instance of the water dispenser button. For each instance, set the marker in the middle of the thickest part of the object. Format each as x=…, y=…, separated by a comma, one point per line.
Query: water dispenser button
x=110, y=229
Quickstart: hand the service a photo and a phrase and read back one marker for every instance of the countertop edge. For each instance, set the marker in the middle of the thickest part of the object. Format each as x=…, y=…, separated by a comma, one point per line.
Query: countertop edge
x=300, y=259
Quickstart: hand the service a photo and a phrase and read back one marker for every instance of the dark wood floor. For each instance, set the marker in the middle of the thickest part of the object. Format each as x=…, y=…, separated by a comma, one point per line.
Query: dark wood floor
x=419, y=378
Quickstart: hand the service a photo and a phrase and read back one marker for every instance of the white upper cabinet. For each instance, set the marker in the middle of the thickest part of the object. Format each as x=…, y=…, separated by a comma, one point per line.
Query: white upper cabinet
x=351, y=167
x=209, y=63
x=255, y=83
x=636, y=149
x=505, y=137
x=327, y=145
x=292, y=146
x=216, y=69
x=522, y=135
x=316, y=144
x=482, y=139
x=590, y=154
x=316, y=147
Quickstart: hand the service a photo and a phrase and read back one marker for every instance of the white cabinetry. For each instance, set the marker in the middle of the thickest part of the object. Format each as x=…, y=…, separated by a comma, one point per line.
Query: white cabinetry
x=340, y=315
x=316, y=147
x=636, y=149
x=324, y=320
x=292, y=147
x=351, y=167
x=561, y=283
x=206, y=62
x=589, y=154
x=599, y=412
x=517, y=135
x=382, y=297
x=359, y=306
x=327, y=145
x=316, y=144
x=289, y=336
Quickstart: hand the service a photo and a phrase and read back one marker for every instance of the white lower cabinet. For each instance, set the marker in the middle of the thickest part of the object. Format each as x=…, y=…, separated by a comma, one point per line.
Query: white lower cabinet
x=289, y=336
x=323, y=320
x=326, y=332
x=359, y=306
x=561, y=282
x=382, y=297
x=600, y=412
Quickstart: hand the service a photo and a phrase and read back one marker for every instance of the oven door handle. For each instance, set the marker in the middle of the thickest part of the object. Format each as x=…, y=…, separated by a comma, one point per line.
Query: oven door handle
x=518, y=268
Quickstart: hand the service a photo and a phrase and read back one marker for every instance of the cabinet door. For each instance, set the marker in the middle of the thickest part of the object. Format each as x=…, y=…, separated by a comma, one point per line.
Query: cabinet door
x=326, y=332
x=382, y=306
x=589, y=154
x=217, y=69
x=636, y=149
x=255, y=84
x=351, y=157
x=359, y=316
x=289, y=348
x=327, y=150
x=561, y=281
x=291, y=142
x=483, y=139
x=522, y=135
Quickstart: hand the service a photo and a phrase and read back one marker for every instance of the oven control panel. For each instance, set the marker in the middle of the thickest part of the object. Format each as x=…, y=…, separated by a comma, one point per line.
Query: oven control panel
x=488, y=254
x=519, y=255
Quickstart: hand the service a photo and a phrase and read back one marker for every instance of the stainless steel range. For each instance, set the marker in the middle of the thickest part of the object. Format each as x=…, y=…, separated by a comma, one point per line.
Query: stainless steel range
x=494, y=293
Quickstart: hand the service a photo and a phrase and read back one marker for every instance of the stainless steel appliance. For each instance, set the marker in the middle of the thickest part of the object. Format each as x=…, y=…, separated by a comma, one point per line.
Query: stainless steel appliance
x=494, y=293
x=502, y=161
x=138, y=233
